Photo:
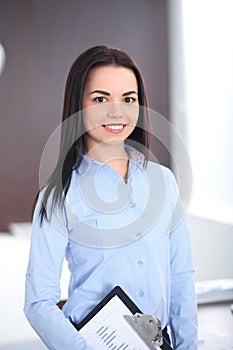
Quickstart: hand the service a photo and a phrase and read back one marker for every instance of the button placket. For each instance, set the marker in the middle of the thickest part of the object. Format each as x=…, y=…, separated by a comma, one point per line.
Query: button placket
x=131, y=204
x=141, y=276
x=141, y=293
x=140, y=263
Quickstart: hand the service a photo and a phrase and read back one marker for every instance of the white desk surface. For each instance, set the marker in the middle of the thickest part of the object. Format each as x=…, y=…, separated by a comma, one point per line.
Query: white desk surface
x=215, y=326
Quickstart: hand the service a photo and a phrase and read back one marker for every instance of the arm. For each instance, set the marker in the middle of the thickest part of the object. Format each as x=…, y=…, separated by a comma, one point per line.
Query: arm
x=183, y=310
x=48, y=246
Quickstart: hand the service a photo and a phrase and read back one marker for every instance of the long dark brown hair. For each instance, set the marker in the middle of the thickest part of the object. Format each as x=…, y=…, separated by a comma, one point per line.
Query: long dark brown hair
x=72, y=145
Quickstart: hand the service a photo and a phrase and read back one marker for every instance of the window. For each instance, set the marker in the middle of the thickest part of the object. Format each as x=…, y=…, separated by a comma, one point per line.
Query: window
x=201, y=91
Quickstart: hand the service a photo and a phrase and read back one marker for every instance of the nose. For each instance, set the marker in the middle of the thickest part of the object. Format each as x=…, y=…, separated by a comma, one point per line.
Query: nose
x=115, y=110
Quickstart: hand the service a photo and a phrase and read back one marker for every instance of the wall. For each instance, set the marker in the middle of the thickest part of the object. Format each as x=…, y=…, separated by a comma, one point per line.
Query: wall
x=42, y=39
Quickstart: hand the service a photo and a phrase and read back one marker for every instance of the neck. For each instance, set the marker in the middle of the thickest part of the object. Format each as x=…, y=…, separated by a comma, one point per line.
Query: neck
x=106, y=153
x=114, y=155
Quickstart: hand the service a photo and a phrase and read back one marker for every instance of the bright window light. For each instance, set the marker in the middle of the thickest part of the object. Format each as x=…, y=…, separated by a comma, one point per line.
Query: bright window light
x=208, y=61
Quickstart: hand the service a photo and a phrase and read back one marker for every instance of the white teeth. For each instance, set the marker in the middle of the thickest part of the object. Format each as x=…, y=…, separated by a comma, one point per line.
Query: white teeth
x=114, y=127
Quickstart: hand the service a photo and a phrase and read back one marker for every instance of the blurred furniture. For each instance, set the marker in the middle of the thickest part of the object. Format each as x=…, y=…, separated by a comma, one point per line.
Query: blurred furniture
x=215, y=326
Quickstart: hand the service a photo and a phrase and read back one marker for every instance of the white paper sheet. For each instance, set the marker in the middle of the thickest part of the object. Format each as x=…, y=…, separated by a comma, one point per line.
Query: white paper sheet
x=109, y=330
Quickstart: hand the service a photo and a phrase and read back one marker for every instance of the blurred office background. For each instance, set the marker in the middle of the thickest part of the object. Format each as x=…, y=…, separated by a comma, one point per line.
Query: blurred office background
x=185, y=52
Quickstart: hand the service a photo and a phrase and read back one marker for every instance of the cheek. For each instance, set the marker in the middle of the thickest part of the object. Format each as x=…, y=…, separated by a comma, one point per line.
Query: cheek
x=91, y=119
x=133, y=114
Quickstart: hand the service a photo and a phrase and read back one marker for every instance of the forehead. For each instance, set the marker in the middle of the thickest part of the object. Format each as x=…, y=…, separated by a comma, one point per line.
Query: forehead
x=111, y=77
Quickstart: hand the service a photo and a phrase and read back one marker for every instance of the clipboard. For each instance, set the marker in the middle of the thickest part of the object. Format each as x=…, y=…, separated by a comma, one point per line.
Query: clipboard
x=116, y=323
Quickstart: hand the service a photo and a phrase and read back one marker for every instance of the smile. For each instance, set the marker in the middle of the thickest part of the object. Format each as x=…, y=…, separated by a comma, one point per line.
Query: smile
x=114, y=127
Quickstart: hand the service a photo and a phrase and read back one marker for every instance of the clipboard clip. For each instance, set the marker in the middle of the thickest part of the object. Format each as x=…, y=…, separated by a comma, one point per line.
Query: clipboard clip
x=148, y=327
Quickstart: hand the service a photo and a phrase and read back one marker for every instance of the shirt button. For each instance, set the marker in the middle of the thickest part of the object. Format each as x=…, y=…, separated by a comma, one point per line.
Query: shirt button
x=141, y=293
x=140, y=263
x=131, y=204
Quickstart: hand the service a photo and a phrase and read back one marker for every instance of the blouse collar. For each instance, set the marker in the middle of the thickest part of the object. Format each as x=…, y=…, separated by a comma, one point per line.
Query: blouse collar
x=135, y=157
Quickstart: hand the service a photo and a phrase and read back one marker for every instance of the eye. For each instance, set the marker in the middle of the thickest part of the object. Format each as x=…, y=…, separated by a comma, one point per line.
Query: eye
x=129, y=99
x=100, y=99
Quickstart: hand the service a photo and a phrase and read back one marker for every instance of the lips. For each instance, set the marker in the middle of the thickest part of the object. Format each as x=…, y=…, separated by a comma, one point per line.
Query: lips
x=114, y=128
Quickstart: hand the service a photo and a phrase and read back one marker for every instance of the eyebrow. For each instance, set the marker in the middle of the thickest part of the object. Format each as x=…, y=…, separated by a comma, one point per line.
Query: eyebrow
x=129, y=93
x=108, y=94
x=100, y=92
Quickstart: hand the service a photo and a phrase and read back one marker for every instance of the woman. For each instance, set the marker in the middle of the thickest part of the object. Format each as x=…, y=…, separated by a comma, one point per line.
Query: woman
x=109, y=211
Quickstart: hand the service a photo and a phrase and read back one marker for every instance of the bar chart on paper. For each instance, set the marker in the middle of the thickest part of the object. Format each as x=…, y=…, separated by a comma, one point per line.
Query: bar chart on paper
x=109, y=338
x=108, y=330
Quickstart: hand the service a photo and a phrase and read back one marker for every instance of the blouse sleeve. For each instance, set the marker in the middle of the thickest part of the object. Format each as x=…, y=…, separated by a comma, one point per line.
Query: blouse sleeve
x=42, y=292
x=183, y=310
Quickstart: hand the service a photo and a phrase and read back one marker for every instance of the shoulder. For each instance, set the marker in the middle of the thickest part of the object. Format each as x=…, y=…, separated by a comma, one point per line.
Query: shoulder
x=43, y=196
x=163, y=178
x=155, y=169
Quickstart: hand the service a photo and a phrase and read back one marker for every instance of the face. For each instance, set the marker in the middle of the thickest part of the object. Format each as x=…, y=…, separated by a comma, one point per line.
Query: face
x=110, y=104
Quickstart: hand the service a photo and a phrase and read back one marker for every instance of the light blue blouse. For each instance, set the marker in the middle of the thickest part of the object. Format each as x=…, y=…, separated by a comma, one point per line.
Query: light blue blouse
x=113, y=233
